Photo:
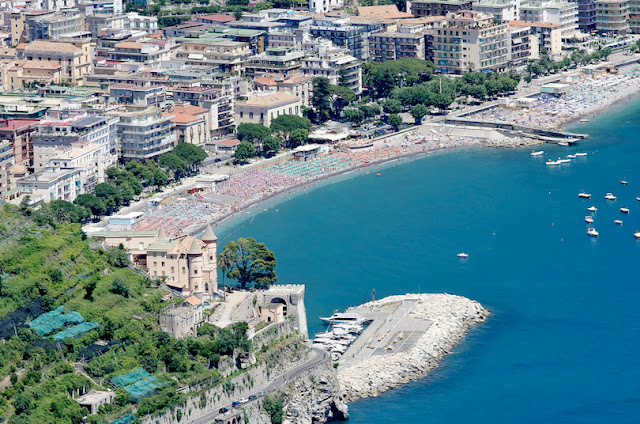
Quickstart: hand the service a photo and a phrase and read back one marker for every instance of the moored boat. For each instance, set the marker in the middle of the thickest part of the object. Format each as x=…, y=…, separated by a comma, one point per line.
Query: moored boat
x=610, y=196
x=618, y=222
x=584, y=195
x=538, y=153
x=343, y=317
x=637, y=234
x=553, y=162
x=462, y=255
x=588, y=219
x=580, y=154
x=592, y=232
x=624, y=182
x=592, y=209
x=624, y=210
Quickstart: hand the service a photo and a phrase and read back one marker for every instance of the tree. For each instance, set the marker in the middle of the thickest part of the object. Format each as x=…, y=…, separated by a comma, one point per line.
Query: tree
x=224, y=263
x=274, y=408
x=252, y=262
x=89, y=288
x=395, y=121
x=298, y=137
x=271, y=146
x=244, y=151
x=286, y=124
x=528, y=79
x=253, y=133
x=172, y=162
x=418, y=112
x=341, y=97
x=392, y=106
x=109, y=194
x=120, y=286
x=320, y=99
x=354, y=116
x=193, y=155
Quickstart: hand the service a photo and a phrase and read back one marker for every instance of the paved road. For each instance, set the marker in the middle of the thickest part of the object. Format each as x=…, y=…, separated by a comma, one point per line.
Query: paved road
x=274, y=385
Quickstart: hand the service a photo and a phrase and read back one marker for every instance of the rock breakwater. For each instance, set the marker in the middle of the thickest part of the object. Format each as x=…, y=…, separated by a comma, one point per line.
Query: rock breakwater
x=450, y=316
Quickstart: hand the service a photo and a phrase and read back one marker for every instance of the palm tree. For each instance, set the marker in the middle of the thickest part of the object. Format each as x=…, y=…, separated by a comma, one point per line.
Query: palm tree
x=224, y=263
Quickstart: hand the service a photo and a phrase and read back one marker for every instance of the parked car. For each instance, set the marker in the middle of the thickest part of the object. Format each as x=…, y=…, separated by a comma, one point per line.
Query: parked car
x=235, y=403
x=253, y=397
x=243, y=400
x=261, y=394
x=223, y=410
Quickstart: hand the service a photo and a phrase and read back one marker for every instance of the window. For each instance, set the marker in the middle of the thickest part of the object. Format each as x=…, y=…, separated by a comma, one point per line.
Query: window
x=162, y=263
x=173, y=270
x=155, y=263
x=184, y=270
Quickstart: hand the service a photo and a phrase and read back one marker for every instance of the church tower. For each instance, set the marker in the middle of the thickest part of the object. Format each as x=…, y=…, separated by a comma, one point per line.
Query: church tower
x=211, y=259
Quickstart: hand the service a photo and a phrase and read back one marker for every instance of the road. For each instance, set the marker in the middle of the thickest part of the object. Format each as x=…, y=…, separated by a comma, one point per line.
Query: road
x=274, y=385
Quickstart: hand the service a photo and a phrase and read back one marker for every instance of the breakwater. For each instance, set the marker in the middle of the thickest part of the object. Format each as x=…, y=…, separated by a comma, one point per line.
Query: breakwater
x=407, y=338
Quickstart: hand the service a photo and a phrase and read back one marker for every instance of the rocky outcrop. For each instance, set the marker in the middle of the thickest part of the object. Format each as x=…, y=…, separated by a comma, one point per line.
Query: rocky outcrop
x=510, y=142
x=315, y=398
x=451, y=316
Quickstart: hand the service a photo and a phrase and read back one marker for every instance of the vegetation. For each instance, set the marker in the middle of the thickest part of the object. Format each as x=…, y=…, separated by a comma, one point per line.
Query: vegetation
x=545, y=65
x=45, y=267
x=273, y=405
x=251, y=262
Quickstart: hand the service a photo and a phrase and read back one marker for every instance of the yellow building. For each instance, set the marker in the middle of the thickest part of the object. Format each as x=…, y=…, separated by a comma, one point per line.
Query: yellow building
x=262, y=108
x=18, y=73
x=188, y=264
x=74, y=57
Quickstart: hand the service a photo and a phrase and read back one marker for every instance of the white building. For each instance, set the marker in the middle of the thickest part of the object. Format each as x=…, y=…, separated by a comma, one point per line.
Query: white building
x=324, y=6
x=263, y=107
x=560, y=12
x=142, y=23
x=506, y=10
x=329, y=60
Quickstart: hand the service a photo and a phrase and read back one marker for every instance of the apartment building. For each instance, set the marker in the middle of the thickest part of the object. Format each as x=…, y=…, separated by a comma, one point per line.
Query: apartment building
x=21, y=72
x=74, y=57
x=549, y=36
x=340, y=32
x=612, y=16
x=562, y=12
x=50, y=26
x=6, y=163
x=330, y=61
x=263, y=107
x=586, y=15
x=217, y=97
x=275, y=60
x=470, y=41
x=145, y=133
x=522, y=45
x=52, y=184
x=137, y=22
x=634, y=16
x=437, y=7
x=324, y=6
x=385, y=46
x=19, y=132
x=505, y=10
x=132, y=94
x=213, y=51
x=147, y=53
x=300, y=86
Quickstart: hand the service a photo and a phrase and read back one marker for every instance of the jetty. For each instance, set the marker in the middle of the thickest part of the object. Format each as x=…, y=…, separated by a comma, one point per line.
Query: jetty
x=538, y=132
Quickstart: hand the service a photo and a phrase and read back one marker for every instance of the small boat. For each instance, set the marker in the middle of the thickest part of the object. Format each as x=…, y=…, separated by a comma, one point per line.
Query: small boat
x=618, y=221
x=638, y=199
x=580, y=154
x=462, y=255
x=584, y=195
x=592, y=209
x=563, y=143
x=584, y=120
x=378, y=174
x=553, y=162
x=624, y=182
x=343, y=317
x=624, y=210
x=588, y=219
x=610, y=196
x=592, y=232
x=538, y=153
x=564, y=160
x=571, y=156
x=637, y=234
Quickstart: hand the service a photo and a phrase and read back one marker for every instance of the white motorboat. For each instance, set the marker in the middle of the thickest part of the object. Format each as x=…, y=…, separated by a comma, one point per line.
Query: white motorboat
x=584, y=195
x=580, y=154
x=563, y=143
x=610, y=196
x=462, y=255
x=592, y=232
x=588, y=219
x=338, y=349
x=637, y=234
x=553, y=162
x=538, y=153
x=638, y=199
x=624, y=182
x=592, y=209
x=618, y=221
x=343, y=317
x=564, y=160
x=571, y=156
x=349, y=328
x=584, y=120
x=624, y=210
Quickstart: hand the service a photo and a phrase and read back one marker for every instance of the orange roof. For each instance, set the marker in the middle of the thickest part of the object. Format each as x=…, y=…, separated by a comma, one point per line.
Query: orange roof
x=386, y=11
x=40, y=64
x=192, y=300
x=52, y=46
x=217, y=18
x=265, y=81
x=128, y=45
x=229, y=143
x=183, y=118
x=157, y=35
x=189, y=109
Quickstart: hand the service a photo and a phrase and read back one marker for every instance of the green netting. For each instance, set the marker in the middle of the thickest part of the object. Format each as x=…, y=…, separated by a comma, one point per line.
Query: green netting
x=142, y=388
x=75, y=330
x=130, y=377
x=127, y=419
x=54, y=320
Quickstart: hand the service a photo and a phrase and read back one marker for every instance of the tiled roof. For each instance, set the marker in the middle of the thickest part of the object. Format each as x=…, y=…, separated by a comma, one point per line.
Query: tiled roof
x=229, y=143
x=128, y=45
x=194, y=301
x=269, y=100
x=533, y=24
x=183, y=118
x=265, y=81
x=386, y=11
x=41, y=45
x=217, y=18
x=40, y=64
x=189, y=109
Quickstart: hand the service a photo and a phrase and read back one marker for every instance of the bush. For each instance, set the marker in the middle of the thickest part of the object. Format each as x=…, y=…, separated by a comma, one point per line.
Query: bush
x=120, y=286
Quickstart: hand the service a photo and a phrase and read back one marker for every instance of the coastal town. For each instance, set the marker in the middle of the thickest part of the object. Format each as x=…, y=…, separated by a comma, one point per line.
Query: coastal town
x=133, y=133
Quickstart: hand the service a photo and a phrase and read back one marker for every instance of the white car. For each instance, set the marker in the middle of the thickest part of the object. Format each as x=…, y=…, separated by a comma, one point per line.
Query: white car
x=243, y=401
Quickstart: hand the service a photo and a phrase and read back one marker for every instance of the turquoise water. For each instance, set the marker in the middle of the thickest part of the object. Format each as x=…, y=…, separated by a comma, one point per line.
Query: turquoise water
x=562, y=343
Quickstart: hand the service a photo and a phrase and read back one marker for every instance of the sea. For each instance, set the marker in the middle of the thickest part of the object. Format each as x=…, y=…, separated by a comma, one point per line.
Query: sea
x=562, y=344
